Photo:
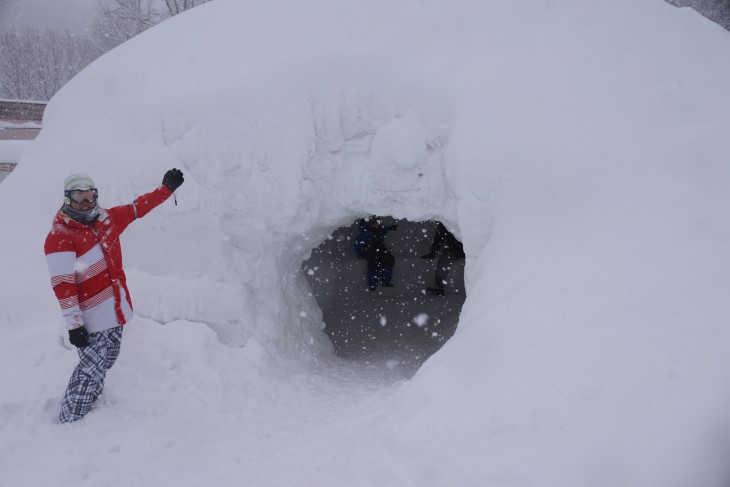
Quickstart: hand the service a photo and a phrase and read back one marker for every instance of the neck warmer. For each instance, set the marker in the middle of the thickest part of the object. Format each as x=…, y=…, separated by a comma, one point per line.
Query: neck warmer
x=86, y=217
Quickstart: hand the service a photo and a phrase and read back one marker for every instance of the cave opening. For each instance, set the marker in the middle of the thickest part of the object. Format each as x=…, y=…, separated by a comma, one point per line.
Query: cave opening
x=401, y=324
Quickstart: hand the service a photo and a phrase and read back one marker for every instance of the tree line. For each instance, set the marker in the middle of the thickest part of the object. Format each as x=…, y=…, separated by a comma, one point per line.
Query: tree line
x=716, y=10
x=35, y=64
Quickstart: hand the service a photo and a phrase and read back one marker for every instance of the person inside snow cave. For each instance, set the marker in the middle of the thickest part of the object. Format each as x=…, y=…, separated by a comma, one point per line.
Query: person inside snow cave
x=449, y=250
x=84, y=258
x=370, y=245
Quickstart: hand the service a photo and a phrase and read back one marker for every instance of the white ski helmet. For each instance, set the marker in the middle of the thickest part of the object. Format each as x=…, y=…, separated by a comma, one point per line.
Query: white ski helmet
x=77, y=182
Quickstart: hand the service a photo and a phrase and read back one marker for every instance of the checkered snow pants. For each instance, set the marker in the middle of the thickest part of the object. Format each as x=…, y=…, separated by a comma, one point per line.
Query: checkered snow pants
x=87, y=379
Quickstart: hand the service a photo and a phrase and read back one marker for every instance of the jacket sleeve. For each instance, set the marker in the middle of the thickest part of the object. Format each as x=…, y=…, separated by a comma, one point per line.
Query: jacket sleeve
x=126, y=214
x=61, y=260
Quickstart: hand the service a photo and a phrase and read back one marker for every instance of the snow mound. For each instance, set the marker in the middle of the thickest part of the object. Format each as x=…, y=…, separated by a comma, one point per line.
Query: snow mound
x=577, y=148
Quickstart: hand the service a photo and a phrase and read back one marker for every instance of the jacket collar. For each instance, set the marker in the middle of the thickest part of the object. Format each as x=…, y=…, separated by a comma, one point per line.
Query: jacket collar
x=65, y=219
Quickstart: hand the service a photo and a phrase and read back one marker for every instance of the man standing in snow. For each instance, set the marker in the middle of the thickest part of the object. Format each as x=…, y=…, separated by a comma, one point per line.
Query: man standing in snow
x=84, y=259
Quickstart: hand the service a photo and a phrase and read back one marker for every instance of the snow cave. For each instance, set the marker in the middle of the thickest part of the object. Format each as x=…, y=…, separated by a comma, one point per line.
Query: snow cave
x=401, y=325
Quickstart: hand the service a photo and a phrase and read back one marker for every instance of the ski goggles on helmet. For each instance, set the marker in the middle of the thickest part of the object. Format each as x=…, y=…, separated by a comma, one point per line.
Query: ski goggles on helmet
x=82, y=195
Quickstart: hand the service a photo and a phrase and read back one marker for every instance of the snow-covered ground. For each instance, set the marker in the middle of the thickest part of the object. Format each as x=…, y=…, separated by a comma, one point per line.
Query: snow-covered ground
x=579, y=150
x=21, y=125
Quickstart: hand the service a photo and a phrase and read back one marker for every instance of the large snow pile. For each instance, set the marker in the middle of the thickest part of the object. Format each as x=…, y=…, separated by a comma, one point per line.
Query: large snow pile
x=579, y=150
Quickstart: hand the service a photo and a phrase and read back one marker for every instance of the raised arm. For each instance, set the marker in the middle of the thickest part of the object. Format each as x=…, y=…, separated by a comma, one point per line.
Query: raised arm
x=126, y=214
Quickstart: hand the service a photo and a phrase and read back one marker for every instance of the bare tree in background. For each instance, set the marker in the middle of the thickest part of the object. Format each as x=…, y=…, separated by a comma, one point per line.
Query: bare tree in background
x=36, y=64
x=716, y=10
x=175, y=7
x=120, y=20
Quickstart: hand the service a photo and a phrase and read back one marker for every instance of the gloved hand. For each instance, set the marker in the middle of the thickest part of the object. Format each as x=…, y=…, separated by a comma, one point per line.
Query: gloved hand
x=429, y=255
x=78, y=337
x=393, y=227
x=173, y=179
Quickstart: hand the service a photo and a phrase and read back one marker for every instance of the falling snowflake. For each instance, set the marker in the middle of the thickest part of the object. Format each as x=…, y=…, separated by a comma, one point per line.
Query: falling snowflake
x=421, y=320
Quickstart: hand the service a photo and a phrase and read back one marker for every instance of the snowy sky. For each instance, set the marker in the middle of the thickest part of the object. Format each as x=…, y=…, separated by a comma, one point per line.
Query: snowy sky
x=66, y=14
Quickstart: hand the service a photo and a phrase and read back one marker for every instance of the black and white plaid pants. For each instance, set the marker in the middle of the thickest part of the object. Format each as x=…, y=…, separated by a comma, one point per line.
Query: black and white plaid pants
x=87, y=379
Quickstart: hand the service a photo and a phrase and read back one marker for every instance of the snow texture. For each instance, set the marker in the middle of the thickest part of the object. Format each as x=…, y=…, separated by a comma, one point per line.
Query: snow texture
x=578, y=149
x=12, y=151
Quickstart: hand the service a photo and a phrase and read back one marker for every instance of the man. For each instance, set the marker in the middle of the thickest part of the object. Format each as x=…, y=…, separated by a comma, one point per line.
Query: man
x=84, y=259
x=370, y=245
x=450, y=250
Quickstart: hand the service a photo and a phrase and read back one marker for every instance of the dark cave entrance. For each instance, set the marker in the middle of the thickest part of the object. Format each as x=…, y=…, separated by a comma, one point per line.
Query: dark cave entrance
x=401, y=325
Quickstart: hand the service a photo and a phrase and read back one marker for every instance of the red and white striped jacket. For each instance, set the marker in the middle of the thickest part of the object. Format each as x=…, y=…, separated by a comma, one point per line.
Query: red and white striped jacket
x=85, y=263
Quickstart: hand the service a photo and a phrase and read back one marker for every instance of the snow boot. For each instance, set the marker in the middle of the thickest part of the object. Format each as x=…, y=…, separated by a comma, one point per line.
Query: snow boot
x=435, y=291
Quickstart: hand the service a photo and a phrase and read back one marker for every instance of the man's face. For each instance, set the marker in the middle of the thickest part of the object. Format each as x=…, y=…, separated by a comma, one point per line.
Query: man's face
x=83, y=200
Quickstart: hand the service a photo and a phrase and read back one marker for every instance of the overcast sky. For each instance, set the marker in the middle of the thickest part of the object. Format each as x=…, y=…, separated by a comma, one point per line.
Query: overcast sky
x=62, y=14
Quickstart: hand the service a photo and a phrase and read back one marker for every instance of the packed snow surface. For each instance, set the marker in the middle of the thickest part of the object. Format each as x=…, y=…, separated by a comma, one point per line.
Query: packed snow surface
x=578, y=149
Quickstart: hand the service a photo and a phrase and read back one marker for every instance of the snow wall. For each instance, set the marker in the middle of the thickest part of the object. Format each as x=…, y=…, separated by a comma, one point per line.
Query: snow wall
x=577, y=148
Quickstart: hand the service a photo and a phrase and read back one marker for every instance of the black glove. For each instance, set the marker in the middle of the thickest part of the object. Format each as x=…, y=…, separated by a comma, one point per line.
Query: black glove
x=393, y=227
x=429, y=255
x=173, y=179
x=78, y=337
